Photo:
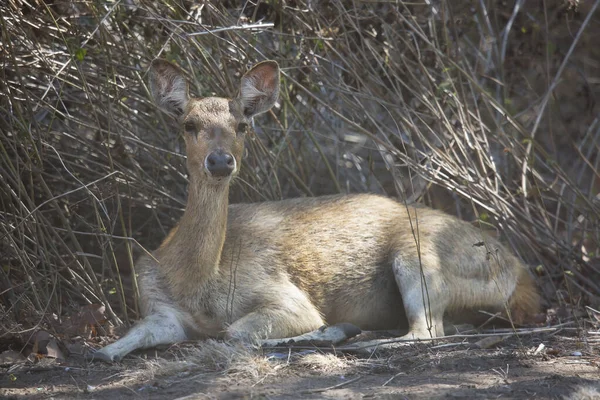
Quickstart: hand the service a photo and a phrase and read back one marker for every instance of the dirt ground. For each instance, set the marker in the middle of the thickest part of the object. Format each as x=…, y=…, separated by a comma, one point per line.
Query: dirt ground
x=559, y=364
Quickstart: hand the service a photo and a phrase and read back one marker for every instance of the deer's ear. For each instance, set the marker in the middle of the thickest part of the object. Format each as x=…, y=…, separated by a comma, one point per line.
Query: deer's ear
x=260, y=88
x=168, y=87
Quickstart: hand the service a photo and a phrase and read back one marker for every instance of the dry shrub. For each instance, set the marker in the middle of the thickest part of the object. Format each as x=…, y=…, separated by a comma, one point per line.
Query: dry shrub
x=485, y=109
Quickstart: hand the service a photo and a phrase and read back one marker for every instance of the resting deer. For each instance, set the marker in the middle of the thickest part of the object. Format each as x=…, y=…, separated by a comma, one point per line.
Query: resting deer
x=284, y=268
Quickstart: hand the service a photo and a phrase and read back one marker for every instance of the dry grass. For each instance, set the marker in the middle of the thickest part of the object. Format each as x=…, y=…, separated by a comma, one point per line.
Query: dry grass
x=327, y=363
x=586, y=392
x=485, y=110
x=234, y=361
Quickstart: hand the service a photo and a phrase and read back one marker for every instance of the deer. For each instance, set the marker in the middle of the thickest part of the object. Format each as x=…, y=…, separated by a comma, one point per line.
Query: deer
x=286, y=269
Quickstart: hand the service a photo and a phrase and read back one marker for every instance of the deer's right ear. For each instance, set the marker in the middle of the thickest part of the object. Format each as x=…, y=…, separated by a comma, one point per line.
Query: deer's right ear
x=168, y=87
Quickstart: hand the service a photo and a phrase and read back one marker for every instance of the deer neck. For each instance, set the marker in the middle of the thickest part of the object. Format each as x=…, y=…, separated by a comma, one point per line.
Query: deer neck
x=193, y=253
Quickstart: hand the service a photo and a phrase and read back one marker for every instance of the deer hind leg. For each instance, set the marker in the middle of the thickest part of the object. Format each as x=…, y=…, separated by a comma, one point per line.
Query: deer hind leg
x=425, y=297
x=324, y=336
x=161, y=327
x=284, y=312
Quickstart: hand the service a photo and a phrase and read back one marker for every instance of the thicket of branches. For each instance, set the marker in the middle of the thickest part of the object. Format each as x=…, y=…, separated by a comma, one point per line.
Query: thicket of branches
x=485, y=109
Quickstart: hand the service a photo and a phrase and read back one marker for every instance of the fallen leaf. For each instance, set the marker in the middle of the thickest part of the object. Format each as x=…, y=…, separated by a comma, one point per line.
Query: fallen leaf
x=53, y=350
x=40, y=341
x=46, y=345
x=84, y=323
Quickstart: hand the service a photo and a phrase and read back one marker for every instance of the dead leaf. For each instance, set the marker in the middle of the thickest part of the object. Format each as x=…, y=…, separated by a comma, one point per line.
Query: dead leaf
x=53, y=350
x=84, y=323
x=46, y=345
x=40, y=341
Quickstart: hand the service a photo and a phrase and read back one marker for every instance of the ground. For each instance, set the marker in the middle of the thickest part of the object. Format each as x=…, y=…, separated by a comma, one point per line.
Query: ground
x=556, y=364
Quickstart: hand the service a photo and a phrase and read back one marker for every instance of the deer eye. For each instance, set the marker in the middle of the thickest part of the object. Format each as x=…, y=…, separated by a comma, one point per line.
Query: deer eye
x=242, y=127
x=190, y=127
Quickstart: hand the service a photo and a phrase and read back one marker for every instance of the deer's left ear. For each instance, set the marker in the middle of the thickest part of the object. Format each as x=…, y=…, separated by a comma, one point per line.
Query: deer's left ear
x=260, y=88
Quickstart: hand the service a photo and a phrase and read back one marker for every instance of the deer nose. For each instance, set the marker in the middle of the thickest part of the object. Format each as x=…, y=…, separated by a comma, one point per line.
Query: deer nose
x=220, y=164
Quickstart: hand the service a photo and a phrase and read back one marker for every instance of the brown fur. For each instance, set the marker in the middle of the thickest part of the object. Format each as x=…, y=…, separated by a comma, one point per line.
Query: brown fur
x=279, y=269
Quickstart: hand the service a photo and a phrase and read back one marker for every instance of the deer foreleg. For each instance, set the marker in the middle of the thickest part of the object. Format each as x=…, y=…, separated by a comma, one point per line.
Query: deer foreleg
x=164, y=327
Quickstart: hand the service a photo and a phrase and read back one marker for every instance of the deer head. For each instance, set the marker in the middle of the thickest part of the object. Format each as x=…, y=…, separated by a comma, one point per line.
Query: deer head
x=214, y=128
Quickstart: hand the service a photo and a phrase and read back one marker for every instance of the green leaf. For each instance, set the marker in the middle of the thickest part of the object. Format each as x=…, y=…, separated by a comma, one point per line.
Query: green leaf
x=320, y=45
x=80, y=54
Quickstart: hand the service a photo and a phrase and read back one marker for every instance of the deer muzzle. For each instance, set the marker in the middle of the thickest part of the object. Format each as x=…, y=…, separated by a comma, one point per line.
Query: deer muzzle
x=220, y=164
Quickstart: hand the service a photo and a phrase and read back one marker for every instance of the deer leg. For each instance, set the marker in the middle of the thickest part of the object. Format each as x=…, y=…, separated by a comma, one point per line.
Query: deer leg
x=425, y=298
x=163, y=327
x=283, y=313
x=291, y=318
x=324, y=336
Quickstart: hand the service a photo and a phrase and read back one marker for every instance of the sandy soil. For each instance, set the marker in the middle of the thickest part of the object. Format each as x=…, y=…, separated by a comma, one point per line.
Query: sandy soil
x=568, y=366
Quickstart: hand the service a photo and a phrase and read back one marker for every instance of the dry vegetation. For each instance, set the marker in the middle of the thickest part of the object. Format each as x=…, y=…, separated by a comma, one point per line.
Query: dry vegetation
x=486, y=109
